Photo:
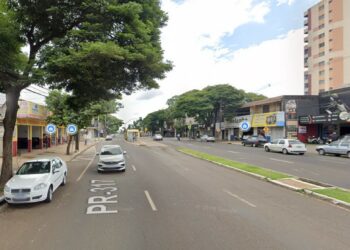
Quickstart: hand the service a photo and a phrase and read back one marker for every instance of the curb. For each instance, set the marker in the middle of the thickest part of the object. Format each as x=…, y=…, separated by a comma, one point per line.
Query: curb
x=80, y=152
x=328, y=199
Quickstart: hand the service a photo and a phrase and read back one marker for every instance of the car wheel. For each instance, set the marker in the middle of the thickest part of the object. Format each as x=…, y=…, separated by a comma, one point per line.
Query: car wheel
x=284, y=151
x=64, y=180
x=301, y=153
x=49, y=195
x=267, y=149
x=321, y=152
x=123, y=170
x=254, y=145
x=243, y=144
x=348, y=154
x=99, y=171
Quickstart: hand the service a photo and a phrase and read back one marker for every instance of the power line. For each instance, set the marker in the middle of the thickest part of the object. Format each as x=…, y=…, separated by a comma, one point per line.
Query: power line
x=27, y=89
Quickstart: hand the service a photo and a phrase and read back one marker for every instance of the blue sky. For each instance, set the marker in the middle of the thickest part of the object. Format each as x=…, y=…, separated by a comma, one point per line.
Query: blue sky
x=278, y=21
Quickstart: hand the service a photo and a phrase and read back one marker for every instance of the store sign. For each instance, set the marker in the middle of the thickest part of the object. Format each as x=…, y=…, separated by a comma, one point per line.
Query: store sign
x=272, y=119
x=302, y=129
x=31, y=110
x=336, y=103
x=236, y=121
x=318, y=119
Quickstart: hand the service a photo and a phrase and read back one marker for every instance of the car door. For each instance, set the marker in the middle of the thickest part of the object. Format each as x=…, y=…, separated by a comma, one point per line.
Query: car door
x=56, y=173
x=273, y=145
x=343, y=148
x=280, y=145
x=332, y=148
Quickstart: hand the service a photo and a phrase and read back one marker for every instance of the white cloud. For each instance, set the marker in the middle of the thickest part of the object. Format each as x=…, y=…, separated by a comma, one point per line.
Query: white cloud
x=289, y=2
x=192, y=41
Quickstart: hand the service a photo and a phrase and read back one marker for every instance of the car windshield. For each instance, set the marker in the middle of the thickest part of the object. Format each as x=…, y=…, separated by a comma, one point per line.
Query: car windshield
x=111, y=151
x=39, y=167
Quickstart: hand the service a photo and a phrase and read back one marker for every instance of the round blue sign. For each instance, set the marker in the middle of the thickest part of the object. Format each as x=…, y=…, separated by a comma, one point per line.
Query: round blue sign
x=50, y=128
x=244, y=126
x=72, y=129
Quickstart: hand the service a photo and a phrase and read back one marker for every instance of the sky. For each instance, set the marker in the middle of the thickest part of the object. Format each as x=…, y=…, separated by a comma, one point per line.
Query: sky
x=249, y=44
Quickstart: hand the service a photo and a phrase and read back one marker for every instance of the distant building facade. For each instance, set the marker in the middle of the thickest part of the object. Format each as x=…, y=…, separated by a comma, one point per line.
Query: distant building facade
x=327, y=50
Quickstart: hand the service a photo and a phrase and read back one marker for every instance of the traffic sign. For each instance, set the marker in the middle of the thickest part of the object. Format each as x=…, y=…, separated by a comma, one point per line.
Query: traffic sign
x=244, y=126
x=72, y=129
x=50, y=128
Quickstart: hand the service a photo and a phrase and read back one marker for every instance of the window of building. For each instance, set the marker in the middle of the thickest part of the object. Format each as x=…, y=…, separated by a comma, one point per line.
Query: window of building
x=321, y=17
x=321, y=35
x=321, y=82
x=321, y=45
x=266, y=108
x=321, y=7
x=321, y=26
x=321, y=73
x=321, y=63
x=321, y=54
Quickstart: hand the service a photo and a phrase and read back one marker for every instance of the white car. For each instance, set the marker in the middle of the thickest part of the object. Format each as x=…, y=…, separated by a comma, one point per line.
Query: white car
x=157, y=137
x=286, y=146
x=36, y=180
x=207, y=138
x=111, y=158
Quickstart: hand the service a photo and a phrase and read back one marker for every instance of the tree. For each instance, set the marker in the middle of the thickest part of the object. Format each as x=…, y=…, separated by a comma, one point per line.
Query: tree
x=113, y=124
x=94, y=49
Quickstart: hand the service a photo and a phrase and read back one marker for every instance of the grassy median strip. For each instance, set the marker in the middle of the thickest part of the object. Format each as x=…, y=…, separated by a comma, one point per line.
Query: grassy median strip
x=336, y=193
x=273, y=175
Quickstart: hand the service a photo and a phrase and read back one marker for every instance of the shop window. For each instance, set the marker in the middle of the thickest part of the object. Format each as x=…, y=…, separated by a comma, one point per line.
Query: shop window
x=266, y=108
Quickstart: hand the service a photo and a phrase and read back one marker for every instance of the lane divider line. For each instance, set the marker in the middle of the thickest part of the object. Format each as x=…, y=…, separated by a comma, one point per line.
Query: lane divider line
x=239, y=198
x=233, y=152
x=86, y=168
x=150, y=201
x=273, y=159
x=133, y=167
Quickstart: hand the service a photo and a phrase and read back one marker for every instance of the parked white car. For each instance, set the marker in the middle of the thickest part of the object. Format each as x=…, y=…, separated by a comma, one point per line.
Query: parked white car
x=286, y=146
x=36, y=180
x=207, y=138
x=111, y=158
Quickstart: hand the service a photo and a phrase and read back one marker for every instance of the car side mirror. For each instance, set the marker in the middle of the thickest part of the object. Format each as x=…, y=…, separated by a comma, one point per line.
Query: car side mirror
x=124, y=152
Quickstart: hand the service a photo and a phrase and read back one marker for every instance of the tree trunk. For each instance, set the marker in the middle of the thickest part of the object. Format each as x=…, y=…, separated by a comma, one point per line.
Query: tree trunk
x=12, y=96
x=214, y=123
x=68, y=144
x=77, y=142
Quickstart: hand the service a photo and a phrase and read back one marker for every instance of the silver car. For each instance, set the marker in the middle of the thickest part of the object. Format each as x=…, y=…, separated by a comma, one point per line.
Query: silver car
x=336, y=148
x=111, y=158
x=207, y=138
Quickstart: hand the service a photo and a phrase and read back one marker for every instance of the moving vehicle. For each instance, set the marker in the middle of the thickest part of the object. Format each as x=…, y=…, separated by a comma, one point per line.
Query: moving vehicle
x=36, y=180
x=207, y=138
x=337, y=148
x=109, y=137
x=111, y=158
x=157, y=137
x=286, y=146
x=254, y=141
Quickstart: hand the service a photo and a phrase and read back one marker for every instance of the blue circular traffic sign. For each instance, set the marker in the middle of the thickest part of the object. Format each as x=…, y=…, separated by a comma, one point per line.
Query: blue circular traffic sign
x=244, y=126
x=72, y=129
x=51, y=128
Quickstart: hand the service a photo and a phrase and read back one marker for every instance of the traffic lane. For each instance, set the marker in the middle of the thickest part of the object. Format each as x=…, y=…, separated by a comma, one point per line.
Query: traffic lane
x=202, y=200
x=23, y=226
x=331, y=170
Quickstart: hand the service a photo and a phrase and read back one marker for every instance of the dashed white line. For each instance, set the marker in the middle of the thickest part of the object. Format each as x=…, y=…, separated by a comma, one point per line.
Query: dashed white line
x=82, y=173
x=133, y=167
x=233, y=152
x=150, y=201
x=289, y=162
x=239, y=198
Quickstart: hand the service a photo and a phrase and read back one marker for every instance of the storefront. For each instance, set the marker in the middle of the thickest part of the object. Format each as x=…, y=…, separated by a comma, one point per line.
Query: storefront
x=271, y=125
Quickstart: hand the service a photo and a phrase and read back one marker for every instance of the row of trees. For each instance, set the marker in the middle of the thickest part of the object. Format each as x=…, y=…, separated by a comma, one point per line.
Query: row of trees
x=63, y=113
x=206, y=106
x=92, y=49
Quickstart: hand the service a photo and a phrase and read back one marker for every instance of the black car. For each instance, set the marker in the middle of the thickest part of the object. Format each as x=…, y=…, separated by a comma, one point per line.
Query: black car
x=254, y=141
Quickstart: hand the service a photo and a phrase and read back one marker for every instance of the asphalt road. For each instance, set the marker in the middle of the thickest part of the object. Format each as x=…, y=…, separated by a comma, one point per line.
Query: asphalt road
x=327, y=169
x=167, y=200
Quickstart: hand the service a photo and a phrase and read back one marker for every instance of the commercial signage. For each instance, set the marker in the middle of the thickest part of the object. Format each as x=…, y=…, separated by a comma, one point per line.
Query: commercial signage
x=272, y=119
x=50, y=128
x=244, y=126
x=336, y=104
x=318, y=119
x=72, y=129
x=236, y=121
x=31, y=110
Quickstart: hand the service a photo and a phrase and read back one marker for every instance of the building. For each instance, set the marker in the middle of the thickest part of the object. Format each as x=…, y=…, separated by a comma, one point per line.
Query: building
x=332, y=119
x=276, y=117
x=327, y=50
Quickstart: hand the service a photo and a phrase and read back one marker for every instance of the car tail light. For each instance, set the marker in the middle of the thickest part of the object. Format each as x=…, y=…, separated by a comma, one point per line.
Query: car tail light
x=290, y=145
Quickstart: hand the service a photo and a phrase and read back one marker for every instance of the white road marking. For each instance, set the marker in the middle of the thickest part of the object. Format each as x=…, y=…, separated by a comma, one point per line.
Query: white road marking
x=133, y=167
x=239, y=198
x=233, y=152
x=82, y=173
x=273, y=159
x=150, y=201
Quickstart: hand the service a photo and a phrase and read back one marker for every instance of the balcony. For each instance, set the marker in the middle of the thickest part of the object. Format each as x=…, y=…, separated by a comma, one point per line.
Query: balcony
x=306, y=30
x=306, y=39
x=306, y=22
x=306, y=13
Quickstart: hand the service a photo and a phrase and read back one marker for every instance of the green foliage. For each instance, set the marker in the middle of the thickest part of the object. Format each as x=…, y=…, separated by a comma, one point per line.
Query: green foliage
x=113, y=124
x=155, y=120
